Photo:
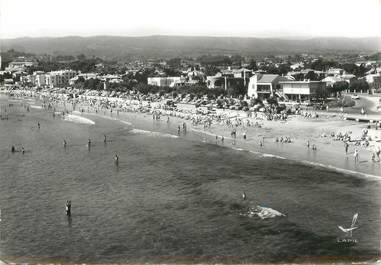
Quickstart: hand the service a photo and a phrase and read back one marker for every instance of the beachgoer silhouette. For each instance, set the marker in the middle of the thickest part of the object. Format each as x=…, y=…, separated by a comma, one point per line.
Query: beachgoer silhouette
x=346, y=147
x=356, y=155
x=116, y=159
x=68, y=208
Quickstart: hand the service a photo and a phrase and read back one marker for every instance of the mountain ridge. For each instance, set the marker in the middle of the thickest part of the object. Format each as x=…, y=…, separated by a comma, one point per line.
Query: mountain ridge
x=164, y=46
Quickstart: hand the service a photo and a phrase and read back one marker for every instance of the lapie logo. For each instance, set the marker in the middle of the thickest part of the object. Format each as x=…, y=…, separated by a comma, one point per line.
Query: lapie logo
x=349, y=231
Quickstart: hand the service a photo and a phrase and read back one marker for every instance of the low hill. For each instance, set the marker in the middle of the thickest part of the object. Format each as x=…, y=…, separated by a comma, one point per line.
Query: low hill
x=173, y=46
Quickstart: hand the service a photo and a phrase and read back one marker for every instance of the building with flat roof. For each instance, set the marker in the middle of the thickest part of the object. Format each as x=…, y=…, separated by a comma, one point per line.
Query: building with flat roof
x=166, y=81
x=374, y=81
x=303, y=90
x=20, y=64
x=226, y=82
x=59, y=78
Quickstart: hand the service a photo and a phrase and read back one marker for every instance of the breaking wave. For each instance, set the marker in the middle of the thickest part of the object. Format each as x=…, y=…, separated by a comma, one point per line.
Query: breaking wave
x=263, y=212
x=274, y=156
x=341, y=170
x=153, y=134
x=78, y=119
x=35, y=107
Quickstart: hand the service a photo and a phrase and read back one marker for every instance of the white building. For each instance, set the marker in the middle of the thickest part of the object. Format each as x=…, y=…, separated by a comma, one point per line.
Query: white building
x=20, y=64
x=166, y=81
x=335, y=71
x=297, y=66
x=59, y=78
x=264, y=85
x=330, y=80
x=374, y=81
x=302, y=90
x=85, y=76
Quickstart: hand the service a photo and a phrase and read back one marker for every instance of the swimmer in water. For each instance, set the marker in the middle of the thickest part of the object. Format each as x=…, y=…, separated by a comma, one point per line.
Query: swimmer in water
x=356, y=155
x=22, y=150
x=89, y=142
x=13, y=149
x=68, y=208
x=243, y=196
x=64, y=143
x=38, y=125
x=116, y=159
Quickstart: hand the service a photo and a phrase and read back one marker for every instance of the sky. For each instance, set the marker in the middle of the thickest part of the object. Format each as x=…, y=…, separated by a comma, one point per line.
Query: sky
x=243, y=18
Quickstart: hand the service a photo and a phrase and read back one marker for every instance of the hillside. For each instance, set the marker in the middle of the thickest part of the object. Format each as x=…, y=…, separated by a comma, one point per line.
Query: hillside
x=172, y=46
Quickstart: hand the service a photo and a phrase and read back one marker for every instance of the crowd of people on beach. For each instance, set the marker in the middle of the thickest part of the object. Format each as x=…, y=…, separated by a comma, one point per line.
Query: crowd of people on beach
x=237, y=124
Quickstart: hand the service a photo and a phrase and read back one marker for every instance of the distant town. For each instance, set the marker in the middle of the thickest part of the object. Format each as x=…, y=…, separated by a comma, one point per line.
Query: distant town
x=303, y=78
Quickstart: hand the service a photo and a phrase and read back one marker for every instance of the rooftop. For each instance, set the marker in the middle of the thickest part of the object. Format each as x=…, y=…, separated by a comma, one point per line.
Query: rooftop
x=267, y=78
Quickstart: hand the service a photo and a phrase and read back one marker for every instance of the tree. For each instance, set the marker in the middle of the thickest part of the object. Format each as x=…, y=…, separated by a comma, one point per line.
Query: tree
x=322, y=65
x=358, y=71
x=338, y=87
x=359, y=85
x=272, y=101
x=311, y=75
x=211, y=70
x=93, y=84
x=171, y=72
x=252, y=65
x=283, y=69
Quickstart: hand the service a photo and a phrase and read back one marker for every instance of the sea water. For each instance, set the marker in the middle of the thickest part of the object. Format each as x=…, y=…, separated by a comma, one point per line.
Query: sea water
x=169, y=199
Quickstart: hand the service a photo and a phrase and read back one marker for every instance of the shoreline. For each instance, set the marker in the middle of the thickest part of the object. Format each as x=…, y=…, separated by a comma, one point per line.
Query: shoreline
x=208, y=136
x=329, y=154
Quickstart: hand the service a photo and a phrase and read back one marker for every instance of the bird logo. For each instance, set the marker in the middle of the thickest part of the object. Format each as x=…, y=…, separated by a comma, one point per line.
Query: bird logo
x=348, y=231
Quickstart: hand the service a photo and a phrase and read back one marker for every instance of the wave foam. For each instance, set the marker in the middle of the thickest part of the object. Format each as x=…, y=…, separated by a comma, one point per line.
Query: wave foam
x=151, y=133
x=35, y=107
x=341, y=170
x=78, y=119
x=238, y=149
x=209, y=133
x=273, y=156
x=111, y=118
x=263, y=212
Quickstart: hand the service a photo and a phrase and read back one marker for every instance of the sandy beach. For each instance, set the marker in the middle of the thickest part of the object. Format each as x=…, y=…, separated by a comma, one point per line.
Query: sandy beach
x=261, y=138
